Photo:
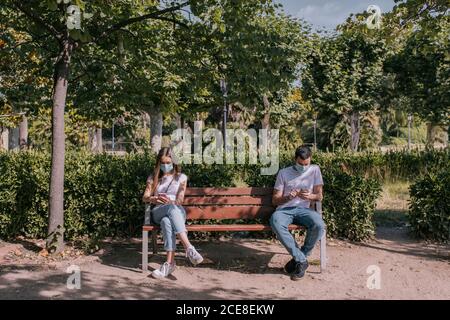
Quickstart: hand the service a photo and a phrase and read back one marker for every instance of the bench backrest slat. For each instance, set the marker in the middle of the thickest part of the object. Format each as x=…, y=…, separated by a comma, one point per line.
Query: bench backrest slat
x=254, y=191
x=227, y=200
x=228, y=203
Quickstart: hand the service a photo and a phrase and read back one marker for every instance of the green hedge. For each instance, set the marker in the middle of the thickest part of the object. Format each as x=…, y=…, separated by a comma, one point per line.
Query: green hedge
x=429, y=213
x=103, y=194
x=391, y=165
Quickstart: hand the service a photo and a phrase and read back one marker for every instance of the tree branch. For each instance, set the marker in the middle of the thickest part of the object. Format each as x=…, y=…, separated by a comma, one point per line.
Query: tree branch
x=173, y=20
x=152, y=15
x=38, y=20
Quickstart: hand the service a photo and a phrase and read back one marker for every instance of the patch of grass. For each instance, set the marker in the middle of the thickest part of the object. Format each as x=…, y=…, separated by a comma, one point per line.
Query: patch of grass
x=395, y=196
x=392, y=206
x=390, y=218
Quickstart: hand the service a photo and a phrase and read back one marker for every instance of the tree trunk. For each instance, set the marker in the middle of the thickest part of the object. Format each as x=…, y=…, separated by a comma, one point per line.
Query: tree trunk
x=156, y=125
x=448, y=137
x=355, y=131
x=431, y=134
x=13, y=138
x=265, y=122
x=4, y=138
x=96, y=139
x=145, y=120
x=55, y=238
x=177, y=121
x=23, y=133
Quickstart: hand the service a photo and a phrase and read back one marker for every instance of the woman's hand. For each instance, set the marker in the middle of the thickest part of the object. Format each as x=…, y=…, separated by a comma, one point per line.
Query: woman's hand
x=163, y=199
x=147, y=199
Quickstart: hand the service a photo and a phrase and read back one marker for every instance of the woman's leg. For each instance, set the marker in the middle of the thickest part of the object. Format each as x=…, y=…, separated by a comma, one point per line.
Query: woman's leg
x=184, y=240
x=169, y=245
x=171, y=257
x=177, y=216
x=169, y=236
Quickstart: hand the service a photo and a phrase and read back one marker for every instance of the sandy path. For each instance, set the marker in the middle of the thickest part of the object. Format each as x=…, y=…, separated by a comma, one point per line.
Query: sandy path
x=240, y=269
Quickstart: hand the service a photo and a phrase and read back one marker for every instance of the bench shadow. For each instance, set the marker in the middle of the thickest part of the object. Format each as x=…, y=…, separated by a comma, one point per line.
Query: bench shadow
x=248, y=256
x=105, y=287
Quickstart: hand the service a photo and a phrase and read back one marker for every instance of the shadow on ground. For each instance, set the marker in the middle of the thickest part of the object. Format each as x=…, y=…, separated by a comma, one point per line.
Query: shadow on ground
x=220, y=255
x=399, y=240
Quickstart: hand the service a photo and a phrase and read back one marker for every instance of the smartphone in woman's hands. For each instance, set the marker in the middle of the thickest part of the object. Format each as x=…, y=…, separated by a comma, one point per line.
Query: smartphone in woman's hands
x=163, y=198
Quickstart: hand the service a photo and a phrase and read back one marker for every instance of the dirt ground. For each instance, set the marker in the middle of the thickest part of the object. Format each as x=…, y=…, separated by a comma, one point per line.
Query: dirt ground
x=234, y=269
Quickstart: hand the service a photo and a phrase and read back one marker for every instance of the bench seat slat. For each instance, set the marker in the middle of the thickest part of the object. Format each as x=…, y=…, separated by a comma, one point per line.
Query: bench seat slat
x=225, y=227
x=228, y=200
x=256, y=191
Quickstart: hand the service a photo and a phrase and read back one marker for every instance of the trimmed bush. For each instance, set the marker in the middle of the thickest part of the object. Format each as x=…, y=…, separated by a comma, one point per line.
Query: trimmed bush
x=429, y=213
x=103, y=194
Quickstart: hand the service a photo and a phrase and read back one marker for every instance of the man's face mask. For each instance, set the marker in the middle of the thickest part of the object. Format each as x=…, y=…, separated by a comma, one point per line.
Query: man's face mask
x=300, y=168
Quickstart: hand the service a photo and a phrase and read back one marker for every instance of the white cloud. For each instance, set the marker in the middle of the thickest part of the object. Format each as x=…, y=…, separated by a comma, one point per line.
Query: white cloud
x=327, y=15
x=330, y=13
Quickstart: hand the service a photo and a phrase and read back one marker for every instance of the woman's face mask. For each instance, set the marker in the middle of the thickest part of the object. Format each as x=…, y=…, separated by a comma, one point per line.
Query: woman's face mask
x=166, y=167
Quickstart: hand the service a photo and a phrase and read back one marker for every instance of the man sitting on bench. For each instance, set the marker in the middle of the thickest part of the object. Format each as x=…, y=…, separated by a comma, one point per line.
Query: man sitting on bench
x=295, y=187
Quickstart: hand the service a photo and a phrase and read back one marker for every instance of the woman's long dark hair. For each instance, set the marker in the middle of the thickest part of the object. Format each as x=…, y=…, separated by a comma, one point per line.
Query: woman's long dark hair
x=157, y=172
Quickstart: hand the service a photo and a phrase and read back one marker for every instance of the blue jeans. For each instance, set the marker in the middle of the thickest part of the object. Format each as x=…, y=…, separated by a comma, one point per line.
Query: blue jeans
x=306, y=217
x=172, y=219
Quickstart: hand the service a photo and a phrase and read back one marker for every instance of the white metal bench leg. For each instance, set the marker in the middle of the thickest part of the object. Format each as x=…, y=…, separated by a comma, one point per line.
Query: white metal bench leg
x=323, y=252
x=154, y=243
x=323, y=241
x=144, y=251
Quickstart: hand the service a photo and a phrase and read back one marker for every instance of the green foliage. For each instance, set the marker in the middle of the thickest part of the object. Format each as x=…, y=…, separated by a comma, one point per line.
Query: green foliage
x=341, y=79
x=429, y=213
x=421, y=62
x=391, y=165
x=103, y=194
x=349, y=204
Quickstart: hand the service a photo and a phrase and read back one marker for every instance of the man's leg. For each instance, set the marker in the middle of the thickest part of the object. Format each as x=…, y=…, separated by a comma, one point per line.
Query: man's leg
x=315, y=227
x=280, y=221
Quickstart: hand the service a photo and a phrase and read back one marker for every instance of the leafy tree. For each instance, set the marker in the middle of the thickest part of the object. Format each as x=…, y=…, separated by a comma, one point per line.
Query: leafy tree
x=342, y=77
x=50, y=24
x=422, y=65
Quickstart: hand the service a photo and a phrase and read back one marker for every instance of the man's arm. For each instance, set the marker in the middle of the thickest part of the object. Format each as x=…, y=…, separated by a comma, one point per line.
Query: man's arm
x=278, y=198
x=315, y=195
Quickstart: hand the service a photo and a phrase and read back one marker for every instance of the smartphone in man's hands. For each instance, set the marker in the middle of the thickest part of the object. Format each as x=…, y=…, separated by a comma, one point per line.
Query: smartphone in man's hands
x=303, y=192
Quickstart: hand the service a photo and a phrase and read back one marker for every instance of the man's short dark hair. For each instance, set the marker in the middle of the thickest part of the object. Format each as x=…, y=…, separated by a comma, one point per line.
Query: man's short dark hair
x=303, y=152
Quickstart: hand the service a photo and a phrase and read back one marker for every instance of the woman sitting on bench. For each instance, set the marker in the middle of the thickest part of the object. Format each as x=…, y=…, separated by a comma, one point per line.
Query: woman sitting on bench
x=165, y=190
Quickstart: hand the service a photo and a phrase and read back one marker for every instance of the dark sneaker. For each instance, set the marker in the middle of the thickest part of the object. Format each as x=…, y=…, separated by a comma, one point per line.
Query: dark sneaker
x=300, y=269
x=290, y=266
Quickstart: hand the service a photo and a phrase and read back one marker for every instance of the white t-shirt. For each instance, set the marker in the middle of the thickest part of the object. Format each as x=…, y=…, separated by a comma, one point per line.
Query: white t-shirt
x=169, y=184
x=289, y=178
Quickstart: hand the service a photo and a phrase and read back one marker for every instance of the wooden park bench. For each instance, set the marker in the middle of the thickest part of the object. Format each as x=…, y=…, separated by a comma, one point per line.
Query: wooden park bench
x=226, y=203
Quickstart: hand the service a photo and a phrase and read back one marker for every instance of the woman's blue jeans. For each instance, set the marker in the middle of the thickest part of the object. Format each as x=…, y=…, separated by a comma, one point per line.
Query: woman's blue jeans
x=315, y=227
x=172, y=219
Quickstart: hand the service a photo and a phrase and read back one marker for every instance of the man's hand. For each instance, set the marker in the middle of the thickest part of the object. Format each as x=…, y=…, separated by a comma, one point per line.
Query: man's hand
x=293, y=193
x=307, y=195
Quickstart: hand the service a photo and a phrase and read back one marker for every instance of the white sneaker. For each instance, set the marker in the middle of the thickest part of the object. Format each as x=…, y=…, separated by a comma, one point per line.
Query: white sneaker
x=165, y=270
x=193, y=255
